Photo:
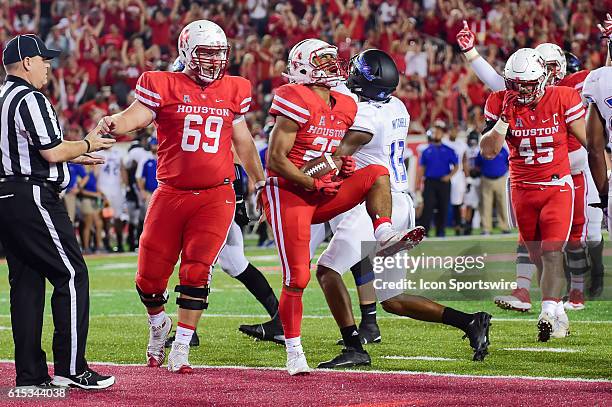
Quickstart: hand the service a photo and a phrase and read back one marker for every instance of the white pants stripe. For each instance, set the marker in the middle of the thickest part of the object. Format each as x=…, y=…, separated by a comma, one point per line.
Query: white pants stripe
x=60, y=249
x=277, y=226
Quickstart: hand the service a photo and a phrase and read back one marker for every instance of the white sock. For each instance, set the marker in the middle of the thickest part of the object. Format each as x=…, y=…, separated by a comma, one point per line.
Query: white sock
x=157, y=319
x=183, y=335
x=577, y=282
x=559, y=310
x=294, y=345
x=382, y=230
x=550, y=307
x=524, y=274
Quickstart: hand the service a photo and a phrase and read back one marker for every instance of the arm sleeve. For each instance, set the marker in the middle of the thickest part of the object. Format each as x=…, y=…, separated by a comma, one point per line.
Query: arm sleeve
x=289, y=103
x=487, y=74
x=364, y=119
x=147, y=92
x=574, y=109
x=40, y=121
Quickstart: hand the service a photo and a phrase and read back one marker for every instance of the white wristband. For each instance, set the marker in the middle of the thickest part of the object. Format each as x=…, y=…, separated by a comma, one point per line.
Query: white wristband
x=471, y=54
x=260, y=184
x=501, y=127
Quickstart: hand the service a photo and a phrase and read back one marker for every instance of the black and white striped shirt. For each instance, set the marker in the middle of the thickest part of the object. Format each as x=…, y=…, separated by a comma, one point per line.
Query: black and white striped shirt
x=28, y=123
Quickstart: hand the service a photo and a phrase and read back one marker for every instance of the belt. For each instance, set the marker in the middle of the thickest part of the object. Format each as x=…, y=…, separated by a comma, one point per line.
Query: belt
x=29, y=180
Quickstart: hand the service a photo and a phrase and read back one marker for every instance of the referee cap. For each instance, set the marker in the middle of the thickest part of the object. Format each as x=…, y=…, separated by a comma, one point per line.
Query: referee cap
x=27, y=45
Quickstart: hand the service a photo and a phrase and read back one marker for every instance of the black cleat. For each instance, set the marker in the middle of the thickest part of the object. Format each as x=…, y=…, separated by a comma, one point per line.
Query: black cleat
x=268, y=331
x=88, y=380
x=368, y=333
x=195, y=340
x=350, y=357
x=478, y=333
x=596, y=287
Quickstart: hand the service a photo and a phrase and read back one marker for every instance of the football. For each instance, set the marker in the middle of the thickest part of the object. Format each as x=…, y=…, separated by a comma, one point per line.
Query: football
x=320, y=166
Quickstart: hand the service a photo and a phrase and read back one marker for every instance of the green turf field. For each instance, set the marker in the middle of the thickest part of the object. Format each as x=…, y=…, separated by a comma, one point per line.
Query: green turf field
x=118, y=329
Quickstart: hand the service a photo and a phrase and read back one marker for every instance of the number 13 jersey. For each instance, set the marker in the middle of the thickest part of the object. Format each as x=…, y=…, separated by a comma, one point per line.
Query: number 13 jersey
x=321, y=127
x=538, y=136
x=194, y=126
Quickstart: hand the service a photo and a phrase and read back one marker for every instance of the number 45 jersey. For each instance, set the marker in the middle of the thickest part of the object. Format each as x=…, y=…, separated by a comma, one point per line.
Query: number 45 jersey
x=388, y=123
x=538, y=136
x=194, y=126
x=321, y=127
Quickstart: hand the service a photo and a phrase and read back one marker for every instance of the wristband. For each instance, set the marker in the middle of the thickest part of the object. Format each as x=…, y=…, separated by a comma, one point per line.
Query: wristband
x=260, y=184
x=501, y=127
x=471, y=54
x=88, y=145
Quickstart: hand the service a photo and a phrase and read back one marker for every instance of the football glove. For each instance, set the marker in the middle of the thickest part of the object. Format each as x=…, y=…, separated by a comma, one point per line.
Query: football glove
x=606, y=27
x=348, y=166
x=602, y=204
x=327, y=184
x=508, y=106
x=466, y=38
x=240, y=216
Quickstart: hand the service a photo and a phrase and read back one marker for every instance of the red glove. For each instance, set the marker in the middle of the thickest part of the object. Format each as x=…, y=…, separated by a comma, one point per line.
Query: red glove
x=606, y=27
x=465, y=38
x=348, y=166
x=327, y=184
x=508, y=106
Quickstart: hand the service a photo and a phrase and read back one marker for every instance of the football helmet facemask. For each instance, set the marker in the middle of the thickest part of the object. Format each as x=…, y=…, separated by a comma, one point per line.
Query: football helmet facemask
x=203, y=49
x=526, y=73
x=315, y=62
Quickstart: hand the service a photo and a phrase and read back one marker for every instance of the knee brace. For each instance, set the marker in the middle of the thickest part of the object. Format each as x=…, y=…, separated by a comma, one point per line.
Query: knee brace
x=576, y=261
x=187, y=303
x=363, y=272
x=153, y=300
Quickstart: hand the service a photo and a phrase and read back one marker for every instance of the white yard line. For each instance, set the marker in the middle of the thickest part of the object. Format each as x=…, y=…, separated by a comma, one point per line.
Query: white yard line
x=428, y=358
x=553, y=350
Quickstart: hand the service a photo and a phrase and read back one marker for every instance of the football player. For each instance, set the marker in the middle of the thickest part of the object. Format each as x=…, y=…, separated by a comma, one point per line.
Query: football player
x=311, y=121
x=199, y=115
x=111, y=182
x=378, y=137
x=536, y=121
x=586, y=225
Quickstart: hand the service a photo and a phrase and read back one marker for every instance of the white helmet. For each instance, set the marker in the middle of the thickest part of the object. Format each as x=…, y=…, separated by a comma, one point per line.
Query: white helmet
x=526, y=74
x=203, y=49
x=555, y=61
x=314, y=62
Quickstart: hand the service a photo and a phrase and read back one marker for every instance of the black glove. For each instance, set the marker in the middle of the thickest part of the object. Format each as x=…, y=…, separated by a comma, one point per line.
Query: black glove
x=603, y=204
x=240, y=216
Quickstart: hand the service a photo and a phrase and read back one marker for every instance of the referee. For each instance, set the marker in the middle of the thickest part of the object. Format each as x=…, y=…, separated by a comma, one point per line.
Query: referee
x=34, y=226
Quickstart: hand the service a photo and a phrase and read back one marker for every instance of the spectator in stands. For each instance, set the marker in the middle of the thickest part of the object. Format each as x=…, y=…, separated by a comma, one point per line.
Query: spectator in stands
x=438, y=163
x=494, y=174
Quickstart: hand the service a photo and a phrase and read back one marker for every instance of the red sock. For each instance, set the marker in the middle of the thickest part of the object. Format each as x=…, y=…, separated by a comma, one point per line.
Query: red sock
x=379, y=221
x=290, y=310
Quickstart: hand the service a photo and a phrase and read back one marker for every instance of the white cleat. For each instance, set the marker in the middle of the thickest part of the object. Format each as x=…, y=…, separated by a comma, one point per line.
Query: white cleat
x=396, y=241
x=156, y=352
x=178, y=359
x=518, y=300
x=561, y=327
x=296, y=364
x=546, y=326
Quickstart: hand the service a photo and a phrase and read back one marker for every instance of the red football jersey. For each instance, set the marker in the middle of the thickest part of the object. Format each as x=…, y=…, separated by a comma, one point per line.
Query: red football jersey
x=321, y=127
x=538, y=136
x=576, y=81
x=194, y=126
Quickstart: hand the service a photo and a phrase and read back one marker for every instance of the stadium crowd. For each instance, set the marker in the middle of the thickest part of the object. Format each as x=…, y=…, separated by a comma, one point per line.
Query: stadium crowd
x=107, y=44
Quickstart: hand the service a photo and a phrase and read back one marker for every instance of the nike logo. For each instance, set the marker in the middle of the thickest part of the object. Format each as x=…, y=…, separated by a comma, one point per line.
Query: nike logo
x=544, y=121
x=218, y=100
x=7, y=196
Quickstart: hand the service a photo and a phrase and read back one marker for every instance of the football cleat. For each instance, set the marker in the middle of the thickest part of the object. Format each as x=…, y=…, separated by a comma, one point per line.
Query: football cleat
x=368, y=333
x=157, y=339
x=88, y=380
x=546, y=325
x=575, y=301
x=268, y=331
x=297, y=364
x=478, y=333
x=518, y=300
x=561, y=327
x=396, y=241
x=195, y=340
x=350, y=357
x=178, y=359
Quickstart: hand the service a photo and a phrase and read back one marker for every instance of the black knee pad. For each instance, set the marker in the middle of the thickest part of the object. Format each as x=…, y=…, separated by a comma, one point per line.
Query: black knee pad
x=363, y=272
x=187, y=303
x=153, y=300
x=577, y=261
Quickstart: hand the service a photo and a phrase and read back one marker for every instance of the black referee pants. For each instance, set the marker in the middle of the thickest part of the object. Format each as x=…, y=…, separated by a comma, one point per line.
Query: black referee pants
x=39, y=241
x=436, y=195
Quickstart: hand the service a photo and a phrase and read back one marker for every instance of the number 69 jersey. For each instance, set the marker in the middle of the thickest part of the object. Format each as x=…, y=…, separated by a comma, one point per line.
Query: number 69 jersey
x=194, y=126
x=388, y=123
x=321, y=127
x=538, y=136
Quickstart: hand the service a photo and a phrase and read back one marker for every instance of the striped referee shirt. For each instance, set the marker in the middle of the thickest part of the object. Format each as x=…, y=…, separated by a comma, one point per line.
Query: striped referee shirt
x=28, y=124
